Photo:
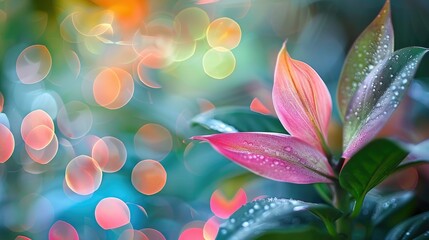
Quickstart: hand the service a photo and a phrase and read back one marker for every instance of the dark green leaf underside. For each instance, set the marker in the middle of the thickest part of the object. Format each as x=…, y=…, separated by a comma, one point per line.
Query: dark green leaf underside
x=416, y=227
x=260, y=216
x=237, y=119
x=388, y=206
x=301, y=233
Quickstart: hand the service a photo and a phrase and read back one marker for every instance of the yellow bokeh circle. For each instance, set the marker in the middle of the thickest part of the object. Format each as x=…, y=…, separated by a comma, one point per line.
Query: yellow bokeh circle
x=219, y=63
x=224, y=32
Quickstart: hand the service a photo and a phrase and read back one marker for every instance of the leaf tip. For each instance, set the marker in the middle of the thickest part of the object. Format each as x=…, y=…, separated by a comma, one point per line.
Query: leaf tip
x=385, y=10
x=283, y=50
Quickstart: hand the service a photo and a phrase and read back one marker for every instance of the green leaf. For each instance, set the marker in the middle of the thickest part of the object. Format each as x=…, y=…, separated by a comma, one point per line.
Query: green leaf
x=369, y=167
x=378, y=96
x=416, y=227
x=237, y=119
x=257, y=217
x=373, y=45
x=392, y=205
x=324, y=191
x=300, y=232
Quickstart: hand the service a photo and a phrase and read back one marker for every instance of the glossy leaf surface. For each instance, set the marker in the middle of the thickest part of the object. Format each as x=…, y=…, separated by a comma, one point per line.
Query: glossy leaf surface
x=377, y=97
x=275, y=156
x=237, y=119
x=369, y=167
x=373, y=45
x=301, y=100
x=416, y=227
x=387, y=206
x=267, y=214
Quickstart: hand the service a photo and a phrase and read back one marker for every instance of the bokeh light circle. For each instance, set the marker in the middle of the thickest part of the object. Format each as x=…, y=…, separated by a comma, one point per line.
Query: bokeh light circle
x=131, y=234
x=68, y=31
x=183, y=50
x=218, y=63
x=20, y=237
x=48, y=102
x=224, y=32
x=192, y=233
x=73, y=62
x=83, y=175
x=106, y=87
x=223, y=207
x=110, y=153
x=153, y=141
x=191, y=23
x=149, y=177
x=155, y=42
x=112, y=213
x=211, y=228
x=74, y=119
x=92, y=24
x=7, y=143
x=63, y=231
x=113, y=88
x=44, y=155
x=144, y=78
x=33, y=64
x=153, y=234
x=37, y=129
x=1, y=102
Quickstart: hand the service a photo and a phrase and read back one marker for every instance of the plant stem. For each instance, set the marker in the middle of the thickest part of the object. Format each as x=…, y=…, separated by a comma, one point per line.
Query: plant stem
x=330, y=227
x=339, y=165
x=357, y=207
x=341, y=201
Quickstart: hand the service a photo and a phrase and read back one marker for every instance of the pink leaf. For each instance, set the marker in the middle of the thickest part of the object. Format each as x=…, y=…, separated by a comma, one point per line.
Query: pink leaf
x=301, y=100
x=275, y=156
